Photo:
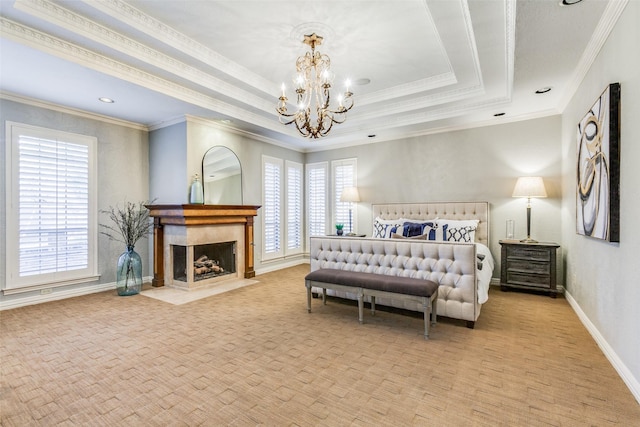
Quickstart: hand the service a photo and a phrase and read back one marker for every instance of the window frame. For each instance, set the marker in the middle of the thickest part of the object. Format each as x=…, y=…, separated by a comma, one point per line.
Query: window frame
x=14, y=282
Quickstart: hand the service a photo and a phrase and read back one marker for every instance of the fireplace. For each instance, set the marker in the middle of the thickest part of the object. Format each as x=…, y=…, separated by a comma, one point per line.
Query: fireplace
x=210, y=261
x=198, y=245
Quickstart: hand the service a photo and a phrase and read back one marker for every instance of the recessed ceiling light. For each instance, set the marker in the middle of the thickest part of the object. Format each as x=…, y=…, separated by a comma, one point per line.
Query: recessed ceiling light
x=543, y=90
x=569, y=2
x=106, y=100
x=362, y=82
x=498, y=114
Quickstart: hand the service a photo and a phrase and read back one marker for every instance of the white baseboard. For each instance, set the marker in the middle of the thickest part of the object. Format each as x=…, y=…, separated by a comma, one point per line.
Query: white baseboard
x=280, y=265
x=54, y=296
x=609, y=353
x=8, y=304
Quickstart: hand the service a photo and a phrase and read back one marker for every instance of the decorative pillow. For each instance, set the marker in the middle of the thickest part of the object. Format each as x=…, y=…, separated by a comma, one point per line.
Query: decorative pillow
x=456, y=231
x=382, y=228
x=410, y=229
x=460, y=234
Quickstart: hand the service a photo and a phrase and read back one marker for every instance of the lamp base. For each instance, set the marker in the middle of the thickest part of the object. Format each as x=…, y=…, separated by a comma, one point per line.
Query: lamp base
x=528, y=240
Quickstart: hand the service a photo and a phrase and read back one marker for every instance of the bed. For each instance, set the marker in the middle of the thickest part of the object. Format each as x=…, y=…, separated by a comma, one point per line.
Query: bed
x=454, y=223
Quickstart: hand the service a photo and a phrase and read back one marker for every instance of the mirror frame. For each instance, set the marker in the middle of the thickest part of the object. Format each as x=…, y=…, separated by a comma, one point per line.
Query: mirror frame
x=204, y=185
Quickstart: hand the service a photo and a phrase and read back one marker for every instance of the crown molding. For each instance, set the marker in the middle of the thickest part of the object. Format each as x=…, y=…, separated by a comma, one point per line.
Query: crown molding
x=85, y=27
x=166, y=123
x=70, y=110
x=471, y=41
x=510, y=47
x=135, y=18
x=240, y=132
x=422, y=85
x=608, y=21
x=85, y=57
x=441, y=129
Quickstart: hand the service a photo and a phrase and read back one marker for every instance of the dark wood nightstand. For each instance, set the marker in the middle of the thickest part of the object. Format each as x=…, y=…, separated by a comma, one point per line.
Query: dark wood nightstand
x=528, y=266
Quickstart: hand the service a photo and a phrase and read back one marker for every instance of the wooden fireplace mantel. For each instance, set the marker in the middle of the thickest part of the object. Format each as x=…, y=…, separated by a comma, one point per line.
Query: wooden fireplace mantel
x=187, y=215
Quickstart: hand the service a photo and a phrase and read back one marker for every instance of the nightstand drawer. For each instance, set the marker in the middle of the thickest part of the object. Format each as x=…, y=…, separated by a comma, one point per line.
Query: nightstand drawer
x=532, y=267
x=528, y=265
x=525, y=279
x=533, y=254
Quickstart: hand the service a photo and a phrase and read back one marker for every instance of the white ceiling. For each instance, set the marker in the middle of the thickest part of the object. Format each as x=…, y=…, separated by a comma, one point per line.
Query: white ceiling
x=433, y=65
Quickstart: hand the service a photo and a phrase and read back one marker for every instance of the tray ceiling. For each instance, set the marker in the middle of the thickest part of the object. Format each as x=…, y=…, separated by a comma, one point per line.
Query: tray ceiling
x=430, y=65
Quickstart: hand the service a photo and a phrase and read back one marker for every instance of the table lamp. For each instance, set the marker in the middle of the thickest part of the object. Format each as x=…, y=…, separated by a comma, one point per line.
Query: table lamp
x=350, y=195
x=529, y=186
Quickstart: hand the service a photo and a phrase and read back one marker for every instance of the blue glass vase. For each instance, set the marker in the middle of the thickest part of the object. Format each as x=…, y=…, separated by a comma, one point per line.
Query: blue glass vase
x=129, y=277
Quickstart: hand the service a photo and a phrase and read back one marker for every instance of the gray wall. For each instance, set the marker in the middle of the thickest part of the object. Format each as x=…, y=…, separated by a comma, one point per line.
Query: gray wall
x=480, y=164
x=123, y=167
x=201, y=135
x=168, y=165
x=604, y=278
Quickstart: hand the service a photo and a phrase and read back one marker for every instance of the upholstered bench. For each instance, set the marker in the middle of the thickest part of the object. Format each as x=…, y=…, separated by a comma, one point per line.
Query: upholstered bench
x=421, y=291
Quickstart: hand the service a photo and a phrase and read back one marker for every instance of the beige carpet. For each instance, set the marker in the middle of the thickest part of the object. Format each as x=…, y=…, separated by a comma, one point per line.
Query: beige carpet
x=181, y=296
x=254, y=356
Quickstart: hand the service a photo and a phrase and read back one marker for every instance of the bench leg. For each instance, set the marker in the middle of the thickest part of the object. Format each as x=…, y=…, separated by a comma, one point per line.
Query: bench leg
x=324, y=296
x=373, y=305
x=434, y=309
x=426, y=308
x=308, y=285
x=360, y=307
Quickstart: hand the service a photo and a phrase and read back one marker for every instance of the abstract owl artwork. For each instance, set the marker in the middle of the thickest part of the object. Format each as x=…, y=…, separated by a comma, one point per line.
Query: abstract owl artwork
x=598, y=168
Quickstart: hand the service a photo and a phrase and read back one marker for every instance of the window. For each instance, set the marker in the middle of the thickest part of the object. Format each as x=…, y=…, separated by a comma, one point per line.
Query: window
x=282, y=208
x=271, y=207
x=51, y=207
x=344, y=175
x=317, y=200
x=294, y=207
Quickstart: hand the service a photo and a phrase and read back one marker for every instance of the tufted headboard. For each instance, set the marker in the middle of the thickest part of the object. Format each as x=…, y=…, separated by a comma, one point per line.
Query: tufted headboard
x=443, y=210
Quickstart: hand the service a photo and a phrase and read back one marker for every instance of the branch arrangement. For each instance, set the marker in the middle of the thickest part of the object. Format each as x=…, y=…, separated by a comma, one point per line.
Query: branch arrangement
x=131, y=223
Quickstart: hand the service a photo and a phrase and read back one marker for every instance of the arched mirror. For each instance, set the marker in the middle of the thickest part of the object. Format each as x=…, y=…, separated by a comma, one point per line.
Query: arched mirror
x=221, y=177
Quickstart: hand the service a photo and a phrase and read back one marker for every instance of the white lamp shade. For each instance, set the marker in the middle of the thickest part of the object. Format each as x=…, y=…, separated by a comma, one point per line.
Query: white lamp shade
x=529, y=186
x=350, y=194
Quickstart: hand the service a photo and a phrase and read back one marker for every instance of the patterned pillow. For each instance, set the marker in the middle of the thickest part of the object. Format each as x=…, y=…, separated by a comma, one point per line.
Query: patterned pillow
x=452, y=230
x=383, y=228
x=460, y=234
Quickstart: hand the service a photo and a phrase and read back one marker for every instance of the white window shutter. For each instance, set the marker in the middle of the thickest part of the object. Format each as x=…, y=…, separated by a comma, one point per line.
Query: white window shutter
x=272, y=207
x=344, y=175
x=317, y=200
x=294, y=208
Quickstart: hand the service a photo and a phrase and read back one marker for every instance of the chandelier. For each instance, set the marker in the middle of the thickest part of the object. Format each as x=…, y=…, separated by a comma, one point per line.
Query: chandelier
x=313, y=83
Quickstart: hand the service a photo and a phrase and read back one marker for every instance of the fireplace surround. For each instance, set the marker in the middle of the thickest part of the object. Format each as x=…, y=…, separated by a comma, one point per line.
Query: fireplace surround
x=193, y=233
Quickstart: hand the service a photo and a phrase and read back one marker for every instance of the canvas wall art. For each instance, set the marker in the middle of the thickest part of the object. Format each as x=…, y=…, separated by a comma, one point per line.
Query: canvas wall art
x=598, y=168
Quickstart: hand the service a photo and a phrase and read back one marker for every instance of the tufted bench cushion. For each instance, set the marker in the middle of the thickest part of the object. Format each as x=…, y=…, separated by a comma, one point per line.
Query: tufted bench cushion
x=422, y=291
x=378, y=282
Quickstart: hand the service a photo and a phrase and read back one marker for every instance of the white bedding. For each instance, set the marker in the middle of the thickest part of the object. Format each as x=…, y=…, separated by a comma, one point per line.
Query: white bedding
x=484, y=274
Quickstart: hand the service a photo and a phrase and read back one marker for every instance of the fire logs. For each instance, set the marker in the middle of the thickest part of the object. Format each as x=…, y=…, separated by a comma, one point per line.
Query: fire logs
x=204, y=265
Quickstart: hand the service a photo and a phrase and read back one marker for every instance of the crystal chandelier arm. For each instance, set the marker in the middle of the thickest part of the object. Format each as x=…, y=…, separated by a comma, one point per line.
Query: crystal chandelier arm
x=313, y=83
